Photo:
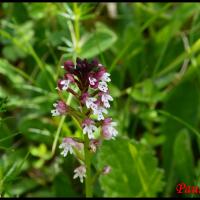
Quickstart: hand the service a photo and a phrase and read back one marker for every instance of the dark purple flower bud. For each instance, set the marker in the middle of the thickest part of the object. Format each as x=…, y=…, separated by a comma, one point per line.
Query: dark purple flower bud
x=78, y=60
x=69, y=77
x=95, y=62
x=69, y=66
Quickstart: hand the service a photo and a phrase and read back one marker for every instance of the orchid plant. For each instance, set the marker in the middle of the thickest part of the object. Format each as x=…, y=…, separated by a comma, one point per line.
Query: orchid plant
x=91, y=80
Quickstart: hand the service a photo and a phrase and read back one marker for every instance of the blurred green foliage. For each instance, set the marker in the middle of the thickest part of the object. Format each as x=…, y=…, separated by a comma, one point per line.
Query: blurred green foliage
x=152, y=52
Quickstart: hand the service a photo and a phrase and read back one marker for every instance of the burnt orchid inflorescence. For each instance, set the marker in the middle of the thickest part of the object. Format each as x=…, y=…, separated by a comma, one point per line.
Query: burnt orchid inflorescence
x=93, y=97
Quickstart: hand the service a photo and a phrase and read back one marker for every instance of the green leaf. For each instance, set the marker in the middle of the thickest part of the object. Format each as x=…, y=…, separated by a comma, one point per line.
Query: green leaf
x=147, y=92
x=183, y=158
x=62, y=186
x=12, y=53
x=22, y=186
x=183, y=105
x=134, y=173
x=36, y=129
x=37, y=10
x=182, y=162
x=19, y=13
x=100, y=40
x=9, y=71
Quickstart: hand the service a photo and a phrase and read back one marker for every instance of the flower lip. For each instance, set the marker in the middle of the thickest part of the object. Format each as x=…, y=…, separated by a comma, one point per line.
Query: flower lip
x=63, y=84
x=68, y=144
x=60, y=108
x=88, y=101
x=108, y=130
x=99, y=110
x=103, y=86
x=89, y=128
x=80, y=172
x=105, y=98
x=93, y=80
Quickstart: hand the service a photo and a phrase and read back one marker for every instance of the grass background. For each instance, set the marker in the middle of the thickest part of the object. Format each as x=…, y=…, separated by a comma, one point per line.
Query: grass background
x=152, y=53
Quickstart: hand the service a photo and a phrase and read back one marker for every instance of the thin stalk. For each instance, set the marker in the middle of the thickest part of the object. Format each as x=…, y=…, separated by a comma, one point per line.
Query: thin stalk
x=73, y=92
x=41, y=66
x=76, y=25
x=98, y=173
x=88, y=181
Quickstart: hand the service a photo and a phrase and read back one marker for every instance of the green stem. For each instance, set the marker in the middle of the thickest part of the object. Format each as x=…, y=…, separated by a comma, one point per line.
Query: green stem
x=88, y=181
x=41, y=66
x=76, y=26
x=98, y=173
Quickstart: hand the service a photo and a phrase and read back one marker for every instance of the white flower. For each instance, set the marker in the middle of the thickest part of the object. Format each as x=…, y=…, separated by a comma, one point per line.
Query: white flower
x=105, y=77
x=80, y=172
x=92, y=80
x=55, y=111
x=108, y=130
x=99, y=112
x=105, y=98
x=102, y=86
x=65, y=84
x=93, y=106
x=89, y=128
x=67, y=145
x=61, y=108
x=90, y=102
